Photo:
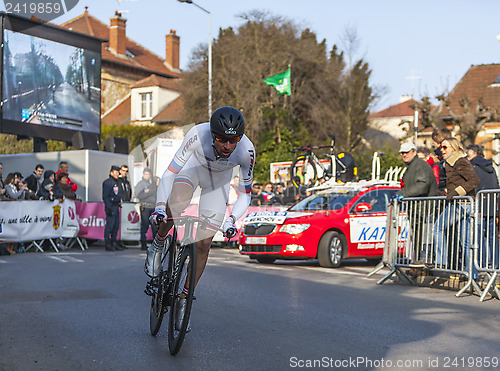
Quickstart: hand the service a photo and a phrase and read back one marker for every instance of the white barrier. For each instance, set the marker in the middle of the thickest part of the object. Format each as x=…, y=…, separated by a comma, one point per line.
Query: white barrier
x=35, y=220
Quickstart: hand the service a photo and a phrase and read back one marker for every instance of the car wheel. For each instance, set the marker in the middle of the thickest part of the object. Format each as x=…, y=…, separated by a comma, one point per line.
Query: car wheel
x=265, y=259
x=331, y=249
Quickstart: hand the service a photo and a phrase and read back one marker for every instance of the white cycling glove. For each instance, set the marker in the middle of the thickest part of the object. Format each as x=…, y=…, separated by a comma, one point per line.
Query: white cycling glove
x=228, y=224
x=159, y=210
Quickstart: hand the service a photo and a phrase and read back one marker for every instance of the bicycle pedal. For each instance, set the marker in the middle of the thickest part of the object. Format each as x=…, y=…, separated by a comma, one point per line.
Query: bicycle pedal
x=150, y=289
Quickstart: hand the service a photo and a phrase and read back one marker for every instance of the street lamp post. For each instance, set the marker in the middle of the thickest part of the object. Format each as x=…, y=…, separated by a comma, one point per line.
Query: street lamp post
x=209, y=55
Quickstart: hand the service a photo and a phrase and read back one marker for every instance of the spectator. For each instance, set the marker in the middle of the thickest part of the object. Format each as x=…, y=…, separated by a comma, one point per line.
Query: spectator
x=125, y=184
x=290, y=195
x=28, y=195
x=488, y=240
x=268, y=193
x=14, y=188
x=62, y=184
x=256, y=195
x=63, y=168
x=234, y=190
x=418, y=181
x=461, y=180
x=418, y=178
x=46, y=190
x=34, y=180
x=112, y=197
x=425, y=154
x=279, y=193
x=145, y=192
x=438, y=135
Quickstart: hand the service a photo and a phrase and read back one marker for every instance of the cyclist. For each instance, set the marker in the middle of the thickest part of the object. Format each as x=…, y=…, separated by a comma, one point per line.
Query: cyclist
x=206, y=158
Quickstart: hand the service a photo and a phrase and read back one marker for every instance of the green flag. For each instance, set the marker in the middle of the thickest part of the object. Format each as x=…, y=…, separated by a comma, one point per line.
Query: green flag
x=281, y=82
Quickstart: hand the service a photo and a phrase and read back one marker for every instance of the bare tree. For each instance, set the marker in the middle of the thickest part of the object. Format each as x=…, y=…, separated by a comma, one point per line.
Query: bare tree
x=471, y=121
x=328, y=96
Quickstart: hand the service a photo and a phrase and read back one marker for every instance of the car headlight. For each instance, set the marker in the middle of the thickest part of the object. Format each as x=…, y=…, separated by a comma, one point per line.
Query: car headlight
x=294, y=228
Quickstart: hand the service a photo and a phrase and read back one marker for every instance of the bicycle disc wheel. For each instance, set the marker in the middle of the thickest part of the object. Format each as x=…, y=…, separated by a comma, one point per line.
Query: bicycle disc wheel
x=302, y=171
x=186, y=262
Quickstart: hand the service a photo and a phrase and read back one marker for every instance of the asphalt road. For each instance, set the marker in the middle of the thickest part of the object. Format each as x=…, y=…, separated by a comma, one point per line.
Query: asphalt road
x=87, y=311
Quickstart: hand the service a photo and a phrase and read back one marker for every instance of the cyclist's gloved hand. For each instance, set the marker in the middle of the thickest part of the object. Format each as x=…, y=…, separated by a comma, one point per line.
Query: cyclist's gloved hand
x=159, y=210
x=229, y=228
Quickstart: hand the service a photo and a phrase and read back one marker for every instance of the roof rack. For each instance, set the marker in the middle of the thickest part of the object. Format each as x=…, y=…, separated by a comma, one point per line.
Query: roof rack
x=332, y=185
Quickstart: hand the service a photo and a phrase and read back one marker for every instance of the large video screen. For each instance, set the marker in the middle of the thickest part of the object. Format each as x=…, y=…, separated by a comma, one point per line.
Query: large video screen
x=51, y=81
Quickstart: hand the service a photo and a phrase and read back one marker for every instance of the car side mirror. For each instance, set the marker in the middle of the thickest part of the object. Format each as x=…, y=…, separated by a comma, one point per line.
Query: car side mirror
x=363, y=207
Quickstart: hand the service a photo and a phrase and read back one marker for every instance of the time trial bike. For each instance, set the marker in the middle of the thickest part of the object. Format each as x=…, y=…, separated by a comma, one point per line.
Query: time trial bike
x=178, y=267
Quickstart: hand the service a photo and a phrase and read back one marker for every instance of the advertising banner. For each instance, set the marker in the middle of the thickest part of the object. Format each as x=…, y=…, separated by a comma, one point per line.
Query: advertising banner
x=92, y=220
x=130, y=228
x=36, y=220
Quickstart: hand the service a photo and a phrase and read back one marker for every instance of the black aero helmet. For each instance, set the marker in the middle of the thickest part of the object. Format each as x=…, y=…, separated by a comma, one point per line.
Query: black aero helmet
x=227, y=121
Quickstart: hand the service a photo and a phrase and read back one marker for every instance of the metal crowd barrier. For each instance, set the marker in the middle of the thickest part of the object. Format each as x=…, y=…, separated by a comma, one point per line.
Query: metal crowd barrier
x=57, y=245
x=486, y=242
x=458, y=237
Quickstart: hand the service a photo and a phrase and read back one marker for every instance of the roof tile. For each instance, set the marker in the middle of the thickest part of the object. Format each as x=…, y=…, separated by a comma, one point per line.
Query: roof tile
x=398, y=110
x=143, y=58
x=478, y=82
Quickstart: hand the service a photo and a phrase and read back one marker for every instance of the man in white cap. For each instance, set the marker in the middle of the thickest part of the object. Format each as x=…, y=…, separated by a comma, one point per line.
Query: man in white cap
x=418, y=179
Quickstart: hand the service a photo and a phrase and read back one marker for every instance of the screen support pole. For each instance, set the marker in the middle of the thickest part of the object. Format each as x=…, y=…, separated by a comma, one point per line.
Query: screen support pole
x=39, y=145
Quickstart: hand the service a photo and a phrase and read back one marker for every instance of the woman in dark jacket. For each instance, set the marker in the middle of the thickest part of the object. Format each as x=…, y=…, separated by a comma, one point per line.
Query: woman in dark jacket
x=62, y=187
x=46, y=191
x=461, y=180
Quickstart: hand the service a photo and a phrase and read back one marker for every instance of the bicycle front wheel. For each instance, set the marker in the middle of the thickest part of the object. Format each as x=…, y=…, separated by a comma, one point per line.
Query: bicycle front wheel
x=159, y=285
x=185, y=273
x=158, y=304
x=302, y=171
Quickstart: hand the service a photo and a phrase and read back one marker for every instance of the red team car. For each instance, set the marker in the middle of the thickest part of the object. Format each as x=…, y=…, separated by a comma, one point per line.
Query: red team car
x=342, y=222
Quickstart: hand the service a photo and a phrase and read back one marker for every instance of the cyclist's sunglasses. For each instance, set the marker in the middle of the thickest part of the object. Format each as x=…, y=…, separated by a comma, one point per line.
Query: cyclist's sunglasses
x=222, y=139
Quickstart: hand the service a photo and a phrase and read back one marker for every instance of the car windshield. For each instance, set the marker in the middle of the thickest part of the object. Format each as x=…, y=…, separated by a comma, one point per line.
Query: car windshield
x=326, y=200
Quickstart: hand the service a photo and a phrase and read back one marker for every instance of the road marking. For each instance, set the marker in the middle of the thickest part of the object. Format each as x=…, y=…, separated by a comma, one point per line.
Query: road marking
x=3, y=261
x=233, y=259
x=57, y=258
x=65, y=259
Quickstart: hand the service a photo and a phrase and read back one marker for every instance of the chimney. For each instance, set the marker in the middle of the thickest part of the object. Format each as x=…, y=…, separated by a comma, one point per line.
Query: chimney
x=117, y=39
x=172, y=50
x=405, y=98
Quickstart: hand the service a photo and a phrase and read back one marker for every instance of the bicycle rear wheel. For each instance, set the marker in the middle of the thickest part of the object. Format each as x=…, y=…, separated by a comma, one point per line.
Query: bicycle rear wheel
x=177, y=327
x=302, y=171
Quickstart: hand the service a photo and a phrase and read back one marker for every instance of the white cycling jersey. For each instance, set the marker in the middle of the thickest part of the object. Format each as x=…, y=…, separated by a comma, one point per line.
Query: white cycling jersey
x=195, y=164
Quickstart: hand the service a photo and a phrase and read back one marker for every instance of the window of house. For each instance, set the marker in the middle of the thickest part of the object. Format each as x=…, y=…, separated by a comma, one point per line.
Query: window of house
x=146, y=105
x=496, y=83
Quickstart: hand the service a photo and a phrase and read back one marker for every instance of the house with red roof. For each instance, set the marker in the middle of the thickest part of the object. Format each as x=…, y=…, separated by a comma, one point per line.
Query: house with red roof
x=389, y=120
x=138, y=86
x=480, y=83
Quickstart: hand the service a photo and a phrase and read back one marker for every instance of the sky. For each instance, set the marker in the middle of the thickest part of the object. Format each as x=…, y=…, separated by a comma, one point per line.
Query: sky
x=421, y=47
